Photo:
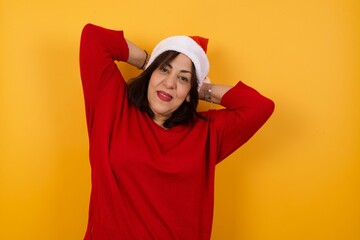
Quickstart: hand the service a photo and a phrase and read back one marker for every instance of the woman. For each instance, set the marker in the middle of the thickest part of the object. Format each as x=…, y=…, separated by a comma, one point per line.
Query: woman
x=152, y=155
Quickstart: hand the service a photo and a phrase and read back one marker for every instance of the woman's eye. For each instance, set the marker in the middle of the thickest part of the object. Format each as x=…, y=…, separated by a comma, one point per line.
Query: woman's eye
x=184, y=79
x=163, y=69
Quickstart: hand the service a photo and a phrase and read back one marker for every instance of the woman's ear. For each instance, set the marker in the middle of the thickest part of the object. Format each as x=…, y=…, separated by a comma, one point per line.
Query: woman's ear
x=188, y=98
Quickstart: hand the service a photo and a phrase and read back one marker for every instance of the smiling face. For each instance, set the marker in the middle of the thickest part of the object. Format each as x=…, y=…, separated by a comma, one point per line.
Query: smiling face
x=169, y=87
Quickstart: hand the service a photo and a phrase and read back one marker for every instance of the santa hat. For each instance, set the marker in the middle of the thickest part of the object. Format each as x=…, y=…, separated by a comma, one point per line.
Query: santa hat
x=193, y=47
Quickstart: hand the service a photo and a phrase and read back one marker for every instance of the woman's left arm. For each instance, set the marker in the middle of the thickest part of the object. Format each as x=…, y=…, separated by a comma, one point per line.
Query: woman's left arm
x=245, y=111
x=213, y=92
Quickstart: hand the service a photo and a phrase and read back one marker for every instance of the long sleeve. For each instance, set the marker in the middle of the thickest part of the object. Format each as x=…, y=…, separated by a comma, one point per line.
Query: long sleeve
x=246, y=111
x=99, y=48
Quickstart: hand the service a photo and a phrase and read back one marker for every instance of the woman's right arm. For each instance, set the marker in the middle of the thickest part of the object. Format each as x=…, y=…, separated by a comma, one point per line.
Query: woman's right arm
x=99, y=47
x=137, y=56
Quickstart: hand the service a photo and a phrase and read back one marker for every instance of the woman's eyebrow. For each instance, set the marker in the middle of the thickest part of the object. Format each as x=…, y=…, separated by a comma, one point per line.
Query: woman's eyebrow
x=170, y=66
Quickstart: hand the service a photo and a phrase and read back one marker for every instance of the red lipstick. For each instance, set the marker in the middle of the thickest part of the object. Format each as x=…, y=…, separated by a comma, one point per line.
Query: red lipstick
x=164, y=96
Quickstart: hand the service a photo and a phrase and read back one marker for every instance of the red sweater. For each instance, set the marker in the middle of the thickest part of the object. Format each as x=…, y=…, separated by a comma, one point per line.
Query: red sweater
x=147, y=182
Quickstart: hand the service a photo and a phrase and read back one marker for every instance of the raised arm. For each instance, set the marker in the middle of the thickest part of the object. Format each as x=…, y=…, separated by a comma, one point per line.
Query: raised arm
x=137, y=56
x=246, y=110
x=213, y=92
x=99, y=48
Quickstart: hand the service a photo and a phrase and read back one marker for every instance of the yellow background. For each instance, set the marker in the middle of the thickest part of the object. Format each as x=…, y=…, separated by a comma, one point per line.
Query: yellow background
x=297, y=179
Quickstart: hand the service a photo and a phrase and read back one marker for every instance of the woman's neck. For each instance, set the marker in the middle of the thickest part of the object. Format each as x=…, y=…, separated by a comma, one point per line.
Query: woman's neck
x=160, y=120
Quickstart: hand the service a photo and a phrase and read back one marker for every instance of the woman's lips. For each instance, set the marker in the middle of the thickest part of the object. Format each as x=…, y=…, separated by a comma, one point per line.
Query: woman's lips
x=164, y=96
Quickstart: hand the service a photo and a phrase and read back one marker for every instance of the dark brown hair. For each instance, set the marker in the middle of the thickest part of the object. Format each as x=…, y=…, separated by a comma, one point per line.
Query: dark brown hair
x=138, y=87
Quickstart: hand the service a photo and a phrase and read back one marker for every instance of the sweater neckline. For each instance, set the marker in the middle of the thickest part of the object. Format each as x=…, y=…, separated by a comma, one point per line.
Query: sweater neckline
x=173, y=130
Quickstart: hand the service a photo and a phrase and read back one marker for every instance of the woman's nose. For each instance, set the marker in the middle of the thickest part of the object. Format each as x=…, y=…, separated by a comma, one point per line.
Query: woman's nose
x=170, y=81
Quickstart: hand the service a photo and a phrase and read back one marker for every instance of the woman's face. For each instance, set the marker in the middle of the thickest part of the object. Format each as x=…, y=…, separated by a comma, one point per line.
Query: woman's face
x=169, y=87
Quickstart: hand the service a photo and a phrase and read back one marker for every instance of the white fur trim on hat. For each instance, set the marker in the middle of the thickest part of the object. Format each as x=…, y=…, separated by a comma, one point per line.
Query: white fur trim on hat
x=187, y=46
